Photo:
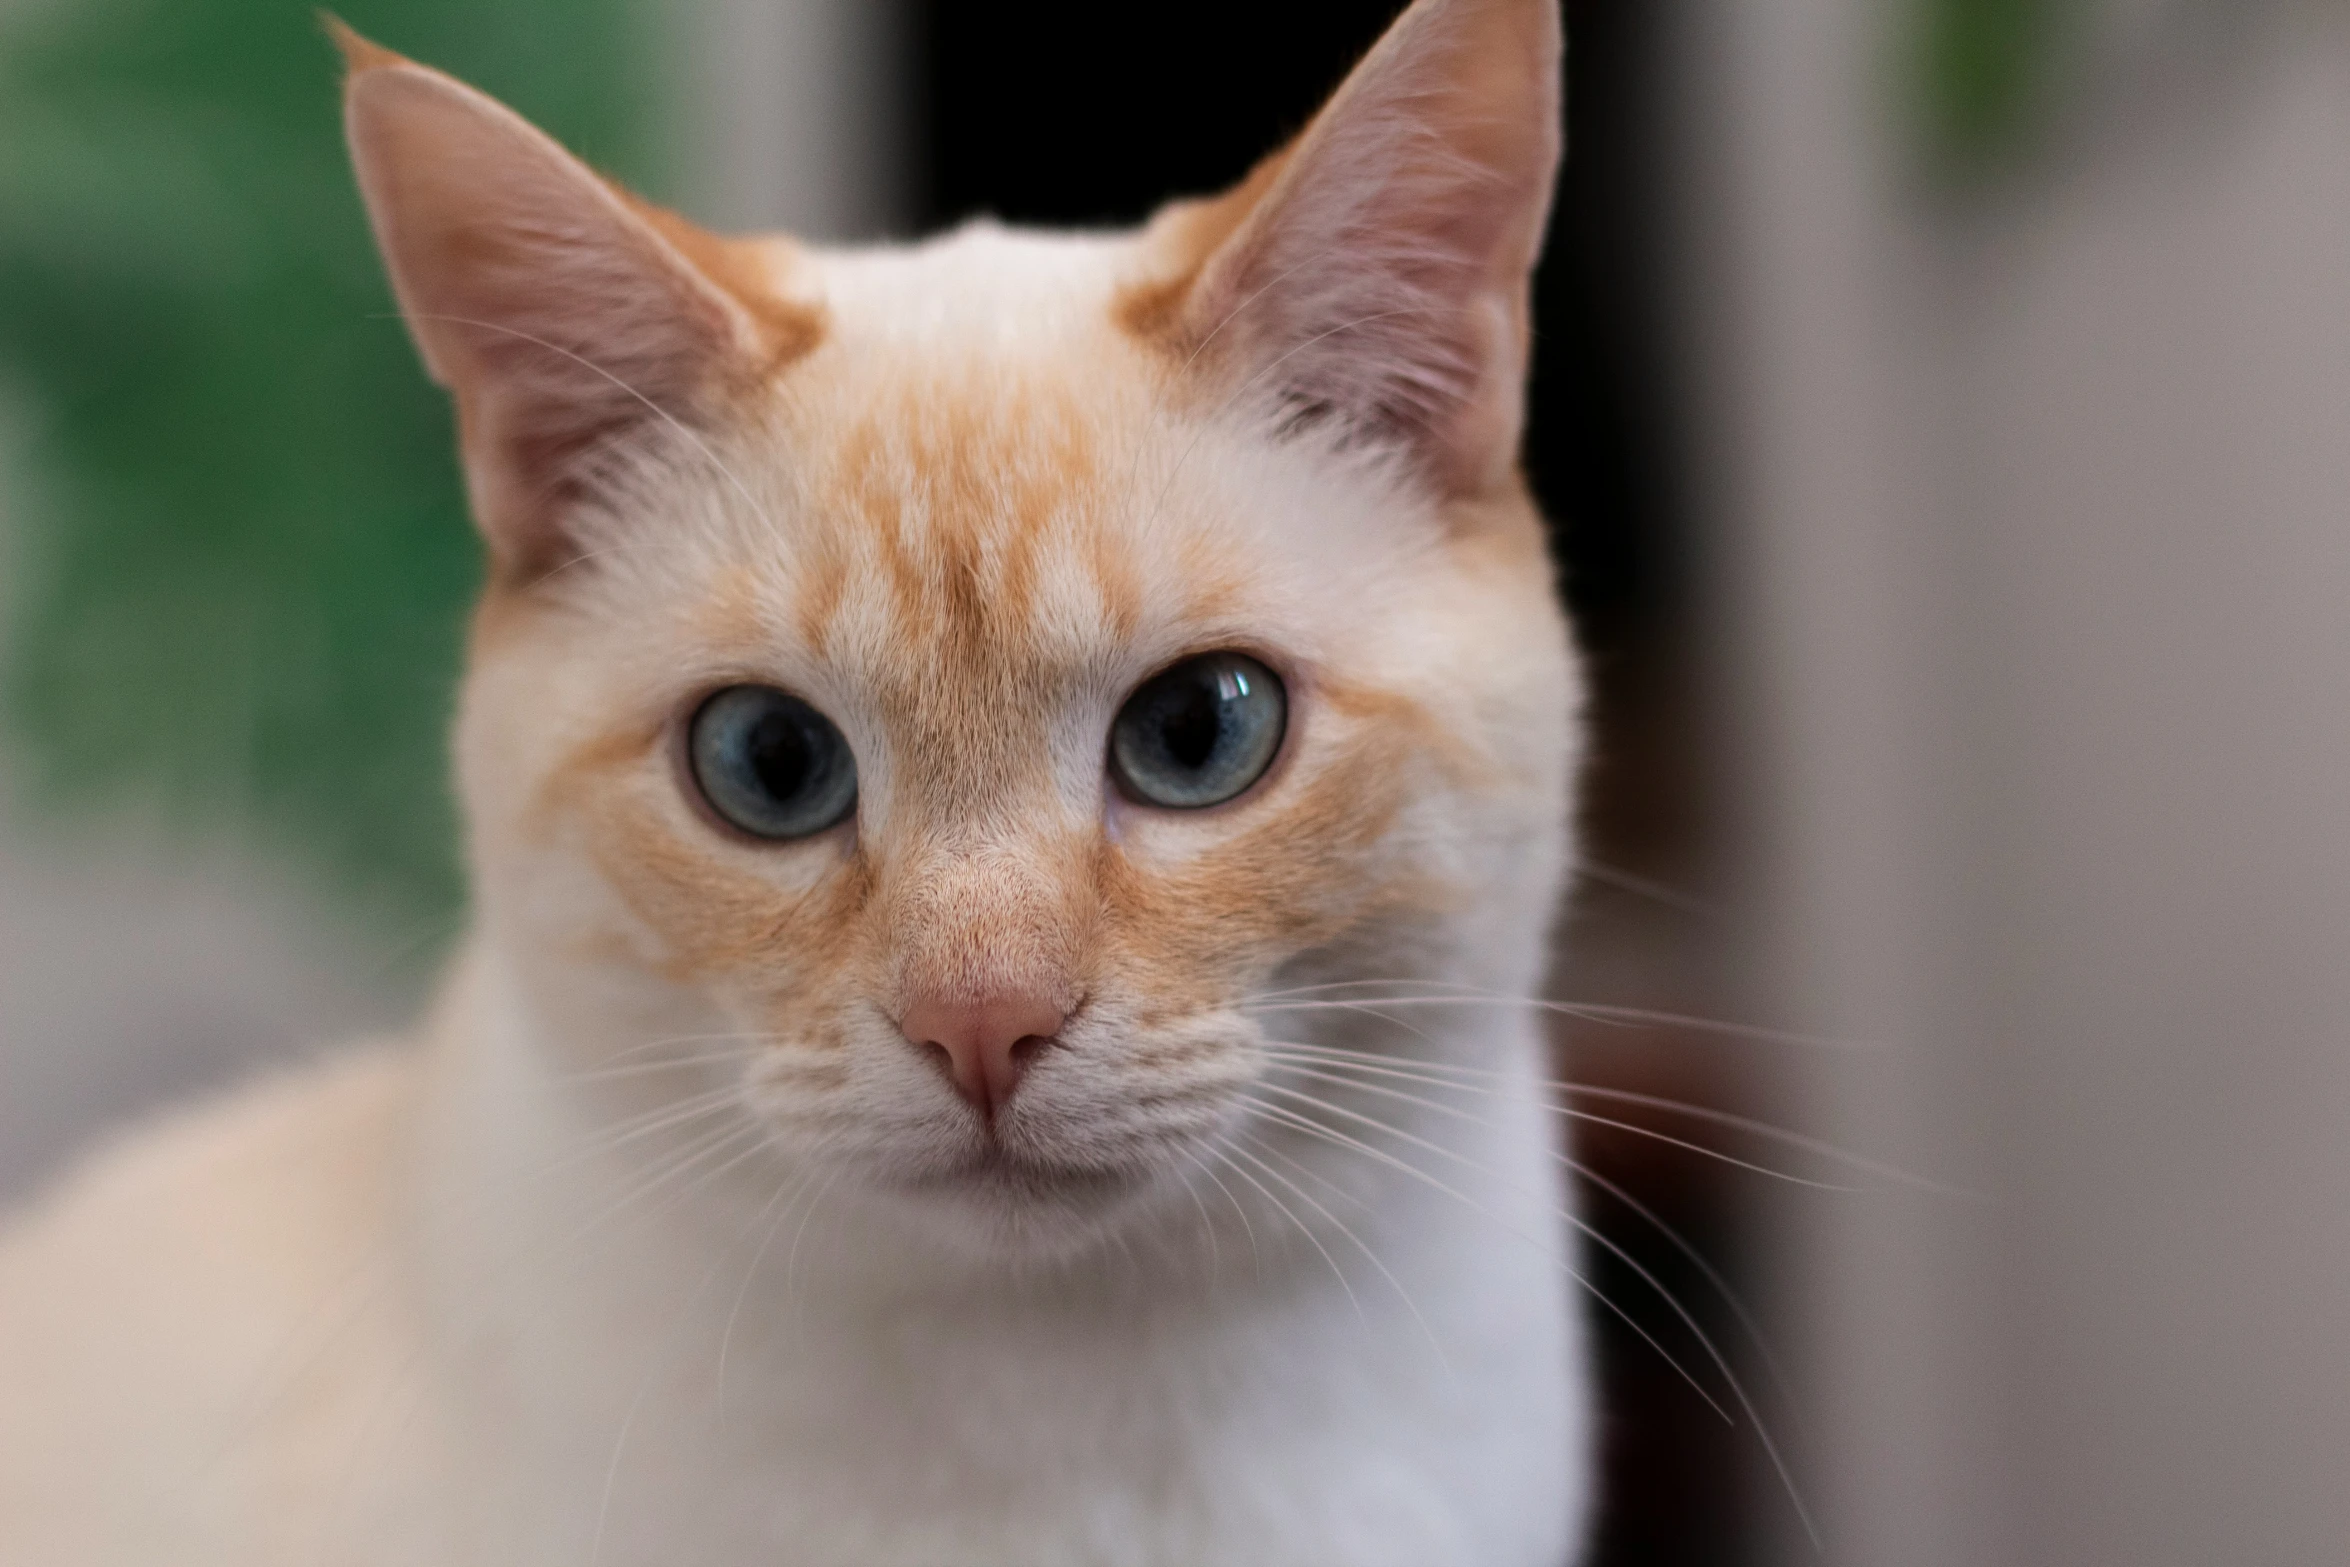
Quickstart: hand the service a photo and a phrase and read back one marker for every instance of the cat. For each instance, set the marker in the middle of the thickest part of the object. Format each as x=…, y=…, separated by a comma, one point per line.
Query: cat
x=960, y=741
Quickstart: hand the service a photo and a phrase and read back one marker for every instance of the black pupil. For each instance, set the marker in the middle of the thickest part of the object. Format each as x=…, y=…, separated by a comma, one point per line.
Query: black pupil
x=1192, y=722
x=781, y=753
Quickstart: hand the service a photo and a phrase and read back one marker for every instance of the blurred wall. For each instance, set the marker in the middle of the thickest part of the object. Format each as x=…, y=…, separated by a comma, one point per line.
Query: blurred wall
x=798, y=115
x=2034, y=509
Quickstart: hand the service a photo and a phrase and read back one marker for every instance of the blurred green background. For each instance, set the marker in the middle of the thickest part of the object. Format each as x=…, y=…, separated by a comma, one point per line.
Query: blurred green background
x=237, y=590
x=1981, y=74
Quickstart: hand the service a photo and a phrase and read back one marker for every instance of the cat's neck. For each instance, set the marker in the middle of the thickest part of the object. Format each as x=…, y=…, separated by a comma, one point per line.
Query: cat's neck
x=595, y=1280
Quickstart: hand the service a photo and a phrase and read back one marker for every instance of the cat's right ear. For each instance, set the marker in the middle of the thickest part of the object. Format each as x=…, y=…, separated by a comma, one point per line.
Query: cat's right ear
x=564, y=314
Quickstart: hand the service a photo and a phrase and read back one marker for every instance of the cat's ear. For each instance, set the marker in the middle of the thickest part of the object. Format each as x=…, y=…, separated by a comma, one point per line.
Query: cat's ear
x=564, y=314
x=1376, y=271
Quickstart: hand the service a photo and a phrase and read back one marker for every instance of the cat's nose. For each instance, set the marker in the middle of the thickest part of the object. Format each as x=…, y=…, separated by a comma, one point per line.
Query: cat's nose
x=985, y=1045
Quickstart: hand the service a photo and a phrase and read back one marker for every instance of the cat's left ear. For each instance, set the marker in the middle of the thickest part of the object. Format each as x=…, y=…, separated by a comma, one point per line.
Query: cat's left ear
x=1376, y=272
x=568, y=317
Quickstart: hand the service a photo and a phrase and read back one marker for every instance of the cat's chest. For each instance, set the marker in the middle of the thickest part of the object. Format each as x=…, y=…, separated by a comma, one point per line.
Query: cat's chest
x=1288, y=1435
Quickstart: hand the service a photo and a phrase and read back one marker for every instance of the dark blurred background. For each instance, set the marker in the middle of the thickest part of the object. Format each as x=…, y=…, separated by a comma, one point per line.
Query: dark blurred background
x=1939, y=405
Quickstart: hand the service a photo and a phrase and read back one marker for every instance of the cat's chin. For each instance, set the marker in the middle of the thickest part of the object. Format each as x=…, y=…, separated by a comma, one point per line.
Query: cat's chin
x=995, y=1201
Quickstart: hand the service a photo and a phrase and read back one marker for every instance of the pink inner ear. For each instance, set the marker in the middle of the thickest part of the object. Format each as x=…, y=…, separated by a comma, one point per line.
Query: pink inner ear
x=566, y=318
x=1380, y=280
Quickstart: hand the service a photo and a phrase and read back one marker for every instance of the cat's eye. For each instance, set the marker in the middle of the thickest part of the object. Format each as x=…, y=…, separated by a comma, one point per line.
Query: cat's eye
x=1199, y=733
x=770, y=764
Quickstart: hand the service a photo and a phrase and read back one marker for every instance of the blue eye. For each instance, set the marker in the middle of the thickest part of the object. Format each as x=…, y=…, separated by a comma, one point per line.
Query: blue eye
x=770, y=764
x=1199, y=733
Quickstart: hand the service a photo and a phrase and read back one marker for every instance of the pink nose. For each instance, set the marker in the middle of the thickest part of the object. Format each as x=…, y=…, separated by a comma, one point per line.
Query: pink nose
x=986, y=1045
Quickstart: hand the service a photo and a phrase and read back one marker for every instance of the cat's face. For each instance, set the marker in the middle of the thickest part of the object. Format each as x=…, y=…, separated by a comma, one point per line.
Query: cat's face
x=994, y=665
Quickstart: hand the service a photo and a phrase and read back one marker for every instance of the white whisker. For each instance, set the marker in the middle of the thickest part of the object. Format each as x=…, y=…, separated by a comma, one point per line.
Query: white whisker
x=1306, y=1229
x=1712, y=1275
x=1207, y=1229
x=1688, y=1319
x=1642, y=886
x=1332, y=1072
x=1581, y=1011
x=1763, y=1129
x=782, y=1211
x=1360, y=1245
x=642, y=1047
x=660, y=1359
x=1256, y=1258
x=651, y=1068
x=662, y=1174
x=1329, y=1134
x=791, y=1258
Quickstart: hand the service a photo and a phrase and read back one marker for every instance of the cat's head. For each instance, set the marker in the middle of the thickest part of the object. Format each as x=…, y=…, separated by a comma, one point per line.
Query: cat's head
x=962, y=679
